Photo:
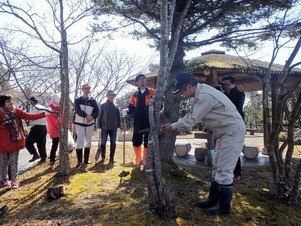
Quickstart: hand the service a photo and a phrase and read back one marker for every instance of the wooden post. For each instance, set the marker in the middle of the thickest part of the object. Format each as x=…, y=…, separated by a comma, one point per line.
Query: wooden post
x=124, y=129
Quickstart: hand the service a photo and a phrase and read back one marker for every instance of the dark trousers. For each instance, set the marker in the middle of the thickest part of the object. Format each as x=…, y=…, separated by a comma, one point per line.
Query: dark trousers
x=37, y=135
x=140, y=137
x=237, y=170
x=112, y=133
x=55, y=144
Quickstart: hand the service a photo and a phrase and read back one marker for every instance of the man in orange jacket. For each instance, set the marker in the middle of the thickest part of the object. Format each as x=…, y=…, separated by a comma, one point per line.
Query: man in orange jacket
x=138, y=106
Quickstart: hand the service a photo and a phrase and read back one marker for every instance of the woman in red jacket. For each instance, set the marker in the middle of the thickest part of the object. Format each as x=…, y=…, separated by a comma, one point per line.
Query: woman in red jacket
x=53, y=128
x=12, y=138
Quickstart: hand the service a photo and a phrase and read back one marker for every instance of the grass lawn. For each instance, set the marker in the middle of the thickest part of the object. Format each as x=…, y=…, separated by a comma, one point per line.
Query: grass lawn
x=96, y=195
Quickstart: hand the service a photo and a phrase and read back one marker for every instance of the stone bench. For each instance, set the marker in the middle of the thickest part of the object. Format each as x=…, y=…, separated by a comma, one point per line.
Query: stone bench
x=182, y=150
x=204, y=155
x=200, y=135
x=251, y=131
x=250, y=151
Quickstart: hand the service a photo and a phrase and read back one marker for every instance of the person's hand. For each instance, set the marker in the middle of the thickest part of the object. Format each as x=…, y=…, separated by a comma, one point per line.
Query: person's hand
x=89, y=119
x=99, y=130
x=118, y=130
x=125, y=112
x=166, y=127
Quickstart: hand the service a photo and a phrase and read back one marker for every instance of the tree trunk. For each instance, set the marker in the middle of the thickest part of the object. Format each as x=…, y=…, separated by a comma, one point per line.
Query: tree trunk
x=295, y=190
x=162, y=201
x=280, y=175
x=64, y=162
x=171, y=107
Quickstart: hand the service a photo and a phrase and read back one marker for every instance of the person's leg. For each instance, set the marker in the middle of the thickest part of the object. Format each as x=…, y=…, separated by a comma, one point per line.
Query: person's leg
x=13, y=164
x=237, y=170
x=80, y=137
x=113, y=136
x=137, y=142
x=229, y=147
x=145, y=140
x=54, y=147
x=41, y=143
x=3, y=169
x=88, y=138
x=30, y=140
x=104, y=138
x=212, y=199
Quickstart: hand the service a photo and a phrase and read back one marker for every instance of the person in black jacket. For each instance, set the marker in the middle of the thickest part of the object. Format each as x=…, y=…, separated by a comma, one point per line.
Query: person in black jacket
x=86, y=111
x=238, y=99
x=138, y=107
x=108, y=122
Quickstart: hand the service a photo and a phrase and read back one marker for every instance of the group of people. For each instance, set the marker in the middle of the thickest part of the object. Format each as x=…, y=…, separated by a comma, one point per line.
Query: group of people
x=107, y=117
x=87, y=113
x=220, y=112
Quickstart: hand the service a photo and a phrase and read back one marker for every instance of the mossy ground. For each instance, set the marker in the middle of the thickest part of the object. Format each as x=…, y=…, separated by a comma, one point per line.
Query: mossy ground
x=96, y=195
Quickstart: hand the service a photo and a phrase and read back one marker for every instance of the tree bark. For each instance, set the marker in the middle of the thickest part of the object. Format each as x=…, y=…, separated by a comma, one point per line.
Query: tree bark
x=160, y=199
x=64, y=166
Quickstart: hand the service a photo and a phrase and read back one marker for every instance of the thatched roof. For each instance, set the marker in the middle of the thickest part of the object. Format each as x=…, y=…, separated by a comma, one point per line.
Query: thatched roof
x=247, y=72
x=218, y=59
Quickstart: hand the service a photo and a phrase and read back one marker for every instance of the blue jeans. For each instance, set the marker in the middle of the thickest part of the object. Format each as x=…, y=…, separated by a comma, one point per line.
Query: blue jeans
x=112, y=133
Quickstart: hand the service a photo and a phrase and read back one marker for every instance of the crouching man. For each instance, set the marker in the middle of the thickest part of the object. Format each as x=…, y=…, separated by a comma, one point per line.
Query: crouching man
x=219, y=115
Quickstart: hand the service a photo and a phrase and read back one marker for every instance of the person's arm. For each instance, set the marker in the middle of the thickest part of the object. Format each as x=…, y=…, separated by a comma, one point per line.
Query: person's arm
x=200, y=109
x=77, y=108
x=241, y=99
x=99, y=118
x=95, y=110
x=28, y=116
x=118, y=118
x=131, y=106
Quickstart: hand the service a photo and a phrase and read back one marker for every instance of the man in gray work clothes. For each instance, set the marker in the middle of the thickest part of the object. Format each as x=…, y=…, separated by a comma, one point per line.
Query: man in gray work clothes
x=219, y=115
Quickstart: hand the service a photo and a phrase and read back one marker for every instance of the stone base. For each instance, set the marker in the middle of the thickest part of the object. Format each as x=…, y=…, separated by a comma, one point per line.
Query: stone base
x=182, y=150
x=264, y=151
x=250, y=151
x=200, y=153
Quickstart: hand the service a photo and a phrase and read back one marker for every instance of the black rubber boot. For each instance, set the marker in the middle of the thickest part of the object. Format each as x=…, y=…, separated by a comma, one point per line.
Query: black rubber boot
x=103, y=153
x=224, y=204
x=79, y=154
x=86, y=156
x=212, y=199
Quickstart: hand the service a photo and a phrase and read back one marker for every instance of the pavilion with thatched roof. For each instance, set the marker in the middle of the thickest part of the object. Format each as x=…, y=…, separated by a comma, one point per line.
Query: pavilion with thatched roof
x=212, y=65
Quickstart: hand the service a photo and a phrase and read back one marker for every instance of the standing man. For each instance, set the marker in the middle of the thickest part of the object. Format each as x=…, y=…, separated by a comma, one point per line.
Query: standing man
x=238, y=99
x=86, y=111
x=138, y=106
x=108, y=121
x=219, y=115
x=37, y=133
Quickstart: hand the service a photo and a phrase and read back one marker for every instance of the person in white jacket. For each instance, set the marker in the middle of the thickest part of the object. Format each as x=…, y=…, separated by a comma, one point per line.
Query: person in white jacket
x=85, y=113
x=219, y=115
x=37, y=133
